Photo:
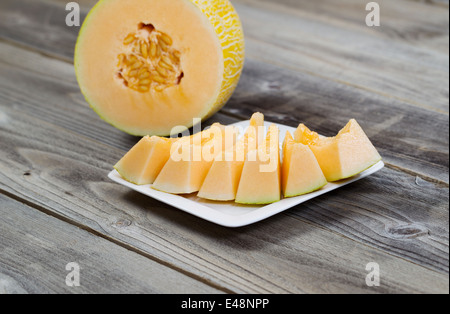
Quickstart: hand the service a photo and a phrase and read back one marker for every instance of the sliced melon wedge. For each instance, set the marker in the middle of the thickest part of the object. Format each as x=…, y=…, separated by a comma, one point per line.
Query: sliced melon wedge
x=260, y=180
x=143, y=163
x=343, y=156
x=191, y=159
x=147, y=66
x=300, y=172
x=222, y=181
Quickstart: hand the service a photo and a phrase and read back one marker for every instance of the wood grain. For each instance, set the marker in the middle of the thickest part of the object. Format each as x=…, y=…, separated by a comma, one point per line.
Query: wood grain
x=280, y=255
x=48, y=159
x=304, y=94
x=55, y=154
x=283, y=96
x=401, y=20
x=379, y=214
x=47, y=245
x=405, y=59
x=414, y=139
x=336, y=48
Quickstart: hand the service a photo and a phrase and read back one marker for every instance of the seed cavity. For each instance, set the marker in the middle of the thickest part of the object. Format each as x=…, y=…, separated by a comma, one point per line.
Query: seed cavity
x=149, y=61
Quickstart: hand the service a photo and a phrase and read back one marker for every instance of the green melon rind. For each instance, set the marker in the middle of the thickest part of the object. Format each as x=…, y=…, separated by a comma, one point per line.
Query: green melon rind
x=308, y=192
x=261, y=202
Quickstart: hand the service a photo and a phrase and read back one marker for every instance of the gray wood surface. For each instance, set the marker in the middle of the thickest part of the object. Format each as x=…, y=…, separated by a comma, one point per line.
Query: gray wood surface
x=275, y=81
x=320, y=65
x=48, y=244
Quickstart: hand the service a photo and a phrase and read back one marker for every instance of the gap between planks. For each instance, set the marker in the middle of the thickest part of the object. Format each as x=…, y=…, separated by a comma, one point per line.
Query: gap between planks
x=126, y=246
x=356, y=241
x=205, y=281
x=389, y=165
x=356, y=86
x=241, y=117
x=66, y=219
x=87, y=4
x=288, y=216
x=230, y=114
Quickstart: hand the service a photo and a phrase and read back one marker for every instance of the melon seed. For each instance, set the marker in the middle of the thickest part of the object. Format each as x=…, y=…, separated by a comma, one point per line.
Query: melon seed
x=151, y=51
x=166, y=39
x=144, y=50
x=162, y=71
x=165, y=65
x=163, y=45
x=144, y=75
x=129, y=39
x=158, y=79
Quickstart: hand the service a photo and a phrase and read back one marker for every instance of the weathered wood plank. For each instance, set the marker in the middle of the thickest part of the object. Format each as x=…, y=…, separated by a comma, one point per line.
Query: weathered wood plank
x=283, y=254
x=47, y=159
x=354, y=54
x=419, y=152
x=76, y=124
x=401, y=20
x=66, y=107
x=284, y=96
x=286, y=253
x=443, y=3
x=414, y=139
x=36, y=248
x=408, y=224
x=406, y=58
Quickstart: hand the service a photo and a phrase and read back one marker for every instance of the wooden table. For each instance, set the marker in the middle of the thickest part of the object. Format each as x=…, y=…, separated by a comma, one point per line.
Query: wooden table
x=307, y=61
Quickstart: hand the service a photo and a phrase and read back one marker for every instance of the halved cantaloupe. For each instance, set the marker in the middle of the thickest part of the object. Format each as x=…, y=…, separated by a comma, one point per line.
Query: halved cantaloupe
x=191, y=159
x=300, y=172
x=260, y=180
x=222, y=181
x=147, y=66
x=344, y=156
x=143, y=163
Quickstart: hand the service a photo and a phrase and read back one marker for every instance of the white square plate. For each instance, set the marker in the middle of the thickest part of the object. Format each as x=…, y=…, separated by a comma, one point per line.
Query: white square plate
x=230, y=214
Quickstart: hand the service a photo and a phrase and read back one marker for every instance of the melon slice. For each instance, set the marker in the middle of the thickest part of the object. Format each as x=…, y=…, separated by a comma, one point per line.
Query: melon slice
x=260, y=180
x=222, y=181
x=300, y=172
x=343, y=156
x=147, y=66
x=143, y=163
x=191, y=159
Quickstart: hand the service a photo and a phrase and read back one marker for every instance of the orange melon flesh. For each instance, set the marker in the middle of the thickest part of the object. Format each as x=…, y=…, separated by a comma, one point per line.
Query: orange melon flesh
x=191, y=159
x=223, y=178
x=300, y=172
x=344, y=156
x=143, y=163
x=199, y=59
x=260, y=180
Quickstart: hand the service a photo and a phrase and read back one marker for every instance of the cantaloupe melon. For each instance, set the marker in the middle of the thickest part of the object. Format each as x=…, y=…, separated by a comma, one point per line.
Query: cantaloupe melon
x=191, y=159
x=143, y=163
x=300, y=171
x=260, y=180
x=147, y=66
x=343, y=156
x=223, y=178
